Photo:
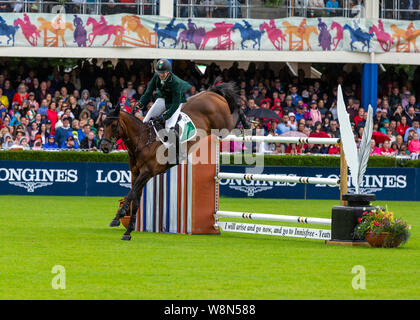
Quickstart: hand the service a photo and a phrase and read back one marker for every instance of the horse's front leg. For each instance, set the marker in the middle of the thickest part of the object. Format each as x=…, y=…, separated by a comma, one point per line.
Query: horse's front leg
x=135, y=195
x=122, y=211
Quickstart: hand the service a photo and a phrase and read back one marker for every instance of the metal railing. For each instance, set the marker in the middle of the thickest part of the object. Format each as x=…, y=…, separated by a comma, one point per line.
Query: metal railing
x=139, y=7
x=393, y=9
x=265, y=9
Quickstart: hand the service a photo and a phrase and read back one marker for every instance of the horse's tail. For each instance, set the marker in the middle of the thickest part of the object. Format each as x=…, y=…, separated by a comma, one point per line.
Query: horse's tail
x=229, y=91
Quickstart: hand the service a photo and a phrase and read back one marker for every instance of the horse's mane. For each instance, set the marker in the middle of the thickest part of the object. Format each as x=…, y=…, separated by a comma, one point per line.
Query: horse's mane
x=227, y=90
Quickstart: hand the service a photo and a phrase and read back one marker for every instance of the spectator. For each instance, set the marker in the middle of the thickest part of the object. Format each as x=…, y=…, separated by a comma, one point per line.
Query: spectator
x=332, y=8
x=51, y=144
x=20, y=95
x=70, y=144
x=414, y=145
x=386, y=150
x=316, y=8
x=89, y=142
x=374, y=150
x=63, y=131
x=413, y=128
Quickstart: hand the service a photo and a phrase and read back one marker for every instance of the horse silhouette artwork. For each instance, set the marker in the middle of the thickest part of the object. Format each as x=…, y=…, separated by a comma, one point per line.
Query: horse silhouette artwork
x=145, y=38
x=191, y=35
x=221, y=32
x=324, y=37
x=339, y=34
x=357, y=35
x=302, y=32
x=248, y=34
x=101, y=28
x=169, y=32
x=8, y=31
x=29, y=30
x=384, y=38
x=405, y=37
x=80, y=33
x=57, y=28
x=217, y=108
x=275, y=34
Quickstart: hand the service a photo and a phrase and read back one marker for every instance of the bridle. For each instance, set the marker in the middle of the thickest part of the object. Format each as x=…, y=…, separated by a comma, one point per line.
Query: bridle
x=114, y=139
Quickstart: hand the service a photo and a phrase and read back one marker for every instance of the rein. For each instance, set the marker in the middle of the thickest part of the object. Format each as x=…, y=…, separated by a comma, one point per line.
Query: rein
x=114, y=139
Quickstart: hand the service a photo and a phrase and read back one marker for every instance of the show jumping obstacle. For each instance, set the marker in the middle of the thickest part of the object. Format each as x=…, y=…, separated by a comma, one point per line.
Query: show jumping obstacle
x=186, y=198
x=322, y=234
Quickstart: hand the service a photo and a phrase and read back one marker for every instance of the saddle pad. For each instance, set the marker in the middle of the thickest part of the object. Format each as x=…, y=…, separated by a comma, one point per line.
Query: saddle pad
x=187, y=129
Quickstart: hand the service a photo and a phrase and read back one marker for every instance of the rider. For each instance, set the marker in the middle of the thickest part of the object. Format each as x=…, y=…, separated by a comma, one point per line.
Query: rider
x=170, y=91
x=192, y=27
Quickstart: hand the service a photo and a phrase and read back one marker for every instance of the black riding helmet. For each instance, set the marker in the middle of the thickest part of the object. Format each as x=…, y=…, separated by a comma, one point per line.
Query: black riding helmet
x=162, y=66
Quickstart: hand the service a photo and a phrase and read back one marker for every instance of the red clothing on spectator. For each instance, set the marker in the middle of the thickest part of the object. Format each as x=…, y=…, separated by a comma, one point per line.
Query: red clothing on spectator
x=289, y=149
x=356, y=120
x=388, y=151
x=414, y=146
x=52, y=116
x=17, y=97
x=120, y=145
x=334, y=150
x=128, y=109
x=401, y=129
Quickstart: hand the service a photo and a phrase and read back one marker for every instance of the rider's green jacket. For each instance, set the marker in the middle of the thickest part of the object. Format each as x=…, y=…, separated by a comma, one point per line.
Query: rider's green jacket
x=172, y=90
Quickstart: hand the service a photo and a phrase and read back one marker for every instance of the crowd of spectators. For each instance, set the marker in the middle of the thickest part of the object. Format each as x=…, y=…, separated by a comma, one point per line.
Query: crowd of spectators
x=42, y=107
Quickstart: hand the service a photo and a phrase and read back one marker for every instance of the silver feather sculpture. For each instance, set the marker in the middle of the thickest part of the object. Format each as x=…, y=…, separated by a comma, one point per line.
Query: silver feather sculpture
x=356, y=161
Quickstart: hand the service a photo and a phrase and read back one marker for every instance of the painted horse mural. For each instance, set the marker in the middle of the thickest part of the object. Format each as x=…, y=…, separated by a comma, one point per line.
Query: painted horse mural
x=357, y=35
x=145, y=38
x=8, y=31
x=194, y=37
x=384, y=38
x=101, y=28
x=29, y=30
x=275, y=34
x=57, y=29
x=169, y=32
x=302, y=32
x=248, y=34
x=405, y=38
x=338, y=35
x=80, y=33
x=324, y=37
x=221, y=32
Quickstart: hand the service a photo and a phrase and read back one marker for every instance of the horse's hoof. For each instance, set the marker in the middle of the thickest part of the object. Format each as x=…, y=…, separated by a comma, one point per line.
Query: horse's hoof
x=114, y=223
x=126, y=237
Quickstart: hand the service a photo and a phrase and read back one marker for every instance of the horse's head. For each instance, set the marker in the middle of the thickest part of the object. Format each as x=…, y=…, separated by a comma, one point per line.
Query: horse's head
x=111, y=130
x=263, y=26
x=90, y=20
x=237, y=26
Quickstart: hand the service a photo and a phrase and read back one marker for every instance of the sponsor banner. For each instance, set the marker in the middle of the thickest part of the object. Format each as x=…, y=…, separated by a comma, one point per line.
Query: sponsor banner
x=114, y=179
x=287, y=34
x=386, y=183
x=64, y=178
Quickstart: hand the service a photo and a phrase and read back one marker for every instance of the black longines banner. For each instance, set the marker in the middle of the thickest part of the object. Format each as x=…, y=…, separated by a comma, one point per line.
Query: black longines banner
x=114, y=179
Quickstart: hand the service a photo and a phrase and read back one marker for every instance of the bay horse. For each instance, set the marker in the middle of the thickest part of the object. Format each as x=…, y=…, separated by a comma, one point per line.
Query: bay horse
x=216, y=108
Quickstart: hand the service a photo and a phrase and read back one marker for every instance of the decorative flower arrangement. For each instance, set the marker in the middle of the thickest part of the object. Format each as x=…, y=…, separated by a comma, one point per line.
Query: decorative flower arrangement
x=381, y=229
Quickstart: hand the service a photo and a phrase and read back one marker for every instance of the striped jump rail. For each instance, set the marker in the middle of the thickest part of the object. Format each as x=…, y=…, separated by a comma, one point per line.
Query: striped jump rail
x=278, y=178
x=272, y=217
x=295, y=232
x=277, y=139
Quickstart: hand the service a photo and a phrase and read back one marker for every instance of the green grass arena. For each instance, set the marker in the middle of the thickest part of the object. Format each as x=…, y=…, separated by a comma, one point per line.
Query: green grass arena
x=39, y=232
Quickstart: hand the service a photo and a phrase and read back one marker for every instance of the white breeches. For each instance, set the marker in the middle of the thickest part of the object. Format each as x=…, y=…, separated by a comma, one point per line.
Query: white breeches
x=156, y=110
